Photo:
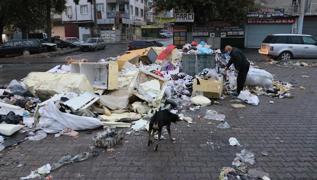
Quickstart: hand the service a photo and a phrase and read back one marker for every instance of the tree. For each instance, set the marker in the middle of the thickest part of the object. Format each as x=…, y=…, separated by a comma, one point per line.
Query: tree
x=210, y=10
x=4, y=15
x=59, y=7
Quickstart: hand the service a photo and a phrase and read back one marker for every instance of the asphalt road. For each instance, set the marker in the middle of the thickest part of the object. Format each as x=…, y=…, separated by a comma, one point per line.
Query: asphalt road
x=19, y=67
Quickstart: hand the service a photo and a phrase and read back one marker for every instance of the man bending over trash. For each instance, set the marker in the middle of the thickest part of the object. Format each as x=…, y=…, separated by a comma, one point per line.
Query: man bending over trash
x=241, y=64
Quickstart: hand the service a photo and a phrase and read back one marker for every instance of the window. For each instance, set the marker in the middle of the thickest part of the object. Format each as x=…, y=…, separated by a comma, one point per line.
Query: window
x=268, y=39
x=100, y=7
x=142, y=13
x=296, y=39
x=136, y=11
x=83, y=9
x=131, y=9
x=282, y=39
x=69, y=12
x=309, y=40
x=141, y=1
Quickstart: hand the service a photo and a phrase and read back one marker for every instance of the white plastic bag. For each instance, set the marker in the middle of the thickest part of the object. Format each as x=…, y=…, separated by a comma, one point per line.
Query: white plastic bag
x=9, y=129
x=200, y=100
x=249, y=98
x=54, y=121
x=213, y=115
x=259, y=77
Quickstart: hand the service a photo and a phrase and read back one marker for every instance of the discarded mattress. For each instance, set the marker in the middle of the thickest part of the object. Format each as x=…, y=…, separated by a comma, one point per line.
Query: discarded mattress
x=53, y=121
x=45, y=85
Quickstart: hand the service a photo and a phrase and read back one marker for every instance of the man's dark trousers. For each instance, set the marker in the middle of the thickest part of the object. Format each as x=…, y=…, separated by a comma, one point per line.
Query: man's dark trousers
x=242, y=76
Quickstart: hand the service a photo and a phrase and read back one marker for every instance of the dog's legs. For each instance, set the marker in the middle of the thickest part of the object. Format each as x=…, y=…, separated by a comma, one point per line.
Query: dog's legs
x=150, y=137
x=168, y=127
x=158, y=139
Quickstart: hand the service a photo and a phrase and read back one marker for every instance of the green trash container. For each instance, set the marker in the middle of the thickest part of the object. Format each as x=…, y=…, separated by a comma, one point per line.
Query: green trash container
x=193, y=64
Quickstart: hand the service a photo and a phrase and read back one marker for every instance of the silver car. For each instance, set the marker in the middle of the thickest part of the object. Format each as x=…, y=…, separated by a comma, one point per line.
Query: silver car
x=288, y=46
x=93, y=44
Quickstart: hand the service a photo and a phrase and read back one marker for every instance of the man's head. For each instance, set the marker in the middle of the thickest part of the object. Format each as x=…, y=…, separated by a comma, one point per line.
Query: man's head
x=228, y=49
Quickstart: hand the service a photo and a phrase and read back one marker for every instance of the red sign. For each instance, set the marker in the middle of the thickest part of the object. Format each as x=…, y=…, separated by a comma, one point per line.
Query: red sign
x=271, y=21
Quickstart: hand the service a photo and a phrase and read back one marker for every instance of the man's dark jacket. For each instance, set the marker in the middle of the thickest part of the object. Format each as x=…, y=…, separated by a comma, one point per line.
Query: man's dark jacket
x=238, y=59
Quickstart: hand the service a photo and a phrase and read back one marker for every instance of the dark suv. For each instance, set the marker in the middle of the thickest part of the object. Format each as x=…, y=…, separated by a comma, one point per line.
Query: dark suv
x=21, y=47
x=143, y=44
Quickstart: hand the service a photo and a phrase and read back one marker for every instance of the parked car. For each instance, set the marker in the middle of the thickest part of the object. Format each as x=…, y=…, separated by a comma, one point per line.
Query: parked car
x=74, y=40
x=288, y=46
x=93, y=44
x=143, y=44
x=166, y=34
x=59, y=43
x=21, y=47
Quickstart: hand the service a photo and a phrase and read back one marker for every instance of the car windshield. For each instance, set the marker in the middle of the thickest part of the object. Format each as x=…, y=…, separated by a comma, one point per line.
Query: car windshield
x=91, y=41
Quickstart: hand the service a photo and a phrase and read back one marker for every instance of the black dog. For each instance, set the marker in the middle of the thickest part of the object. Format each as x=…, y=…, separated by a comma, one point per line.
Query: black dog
x=160, y=119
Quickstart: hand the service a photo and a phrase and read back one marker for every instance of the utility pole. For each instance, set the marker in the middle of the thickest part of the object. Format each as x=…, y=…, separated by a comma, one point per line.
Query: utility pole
x=95, y=30
x=301, y=17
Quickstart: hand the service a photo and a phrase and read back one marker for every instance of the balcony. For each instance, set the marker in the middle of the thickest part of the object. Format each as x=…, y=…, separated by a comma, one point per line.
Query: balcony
x=111, y=15
x=118, y=1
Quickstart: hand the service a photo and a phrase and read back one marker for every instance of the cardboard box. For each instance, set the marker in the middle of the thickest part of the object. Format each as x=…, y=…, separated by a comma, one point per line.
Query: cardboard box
x=102, y=75
x=146, y=77
x=211, y=88
x=146, y=56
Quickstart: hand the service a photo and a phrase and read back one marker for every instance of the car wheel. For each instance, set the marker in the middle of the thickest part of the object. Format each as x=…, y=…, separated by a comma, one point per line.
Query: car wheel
x=26, y=53
x=285, y=56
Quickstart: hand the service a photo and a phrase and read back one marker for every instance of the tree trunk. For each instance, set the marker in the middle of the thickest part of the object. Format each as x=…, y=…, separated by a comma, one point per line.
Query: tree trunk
x=1, y=31
x=48, y=19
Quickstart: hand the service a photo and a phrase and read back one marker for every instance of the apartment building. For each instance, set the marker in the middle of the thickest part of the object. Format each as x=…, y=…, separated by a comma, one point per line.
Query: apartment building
x=116, y=19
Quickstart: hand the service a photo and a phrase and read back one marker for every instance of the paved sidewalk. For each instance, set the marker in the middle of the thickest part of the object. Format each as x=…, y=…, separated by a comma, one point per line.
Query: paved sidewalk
x=287, y=130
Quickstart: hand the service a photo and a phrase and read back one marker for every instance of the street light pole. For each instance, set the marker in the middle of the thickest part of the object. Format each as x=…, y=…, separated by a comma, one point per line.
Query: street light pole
x=301, y=17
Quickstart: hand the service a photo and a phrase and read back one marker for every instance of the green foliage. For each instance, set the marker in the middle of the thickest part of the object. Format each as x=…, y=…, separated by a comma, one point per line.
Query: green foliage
x=233, y=11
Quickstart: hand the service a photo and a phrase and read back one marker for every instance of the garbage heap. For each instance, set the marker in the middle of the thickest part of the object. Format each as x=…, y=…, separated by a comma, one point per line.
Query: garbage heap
x=123, y=91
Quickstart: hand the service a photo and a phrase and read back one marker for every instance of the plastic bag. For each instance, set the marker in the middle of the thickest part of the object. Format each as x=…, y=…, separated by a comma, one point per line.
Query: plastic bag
x=223, y=125
x=233, y=141
x=39, y=135
x=259, y=77
x=200, y=100
x=54, y=121
x=244, y=156
x=213, y=115
x=249, y=98
x=17, y=88
x=139, y=125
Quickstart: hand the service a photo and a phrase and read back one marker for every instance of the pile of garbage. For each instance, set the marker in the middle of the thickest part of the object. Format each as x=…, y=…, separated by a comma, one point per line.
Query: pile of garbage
x=116, y=92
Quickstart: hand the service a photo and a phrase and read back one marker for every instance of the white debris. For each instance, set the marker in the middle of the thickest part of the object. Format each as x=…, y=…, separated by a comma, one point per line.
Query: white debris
x=223, y=125
x=233, y=141
x=200, y=100
x=42, y=171
x=213, y=115
x=37, y=136
x=249, y=98
x=139, y=125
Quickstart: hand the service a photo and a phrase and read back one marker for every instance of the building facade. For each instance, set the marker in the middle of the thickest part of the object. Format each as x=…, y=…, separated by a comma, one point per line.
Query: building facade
x=116, y=19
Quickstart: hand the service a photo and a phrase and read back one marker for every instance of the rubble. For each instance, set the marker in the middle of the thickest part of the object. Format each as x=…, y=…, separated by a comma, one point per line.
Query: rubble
x=108, y=138
x=125, y=91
